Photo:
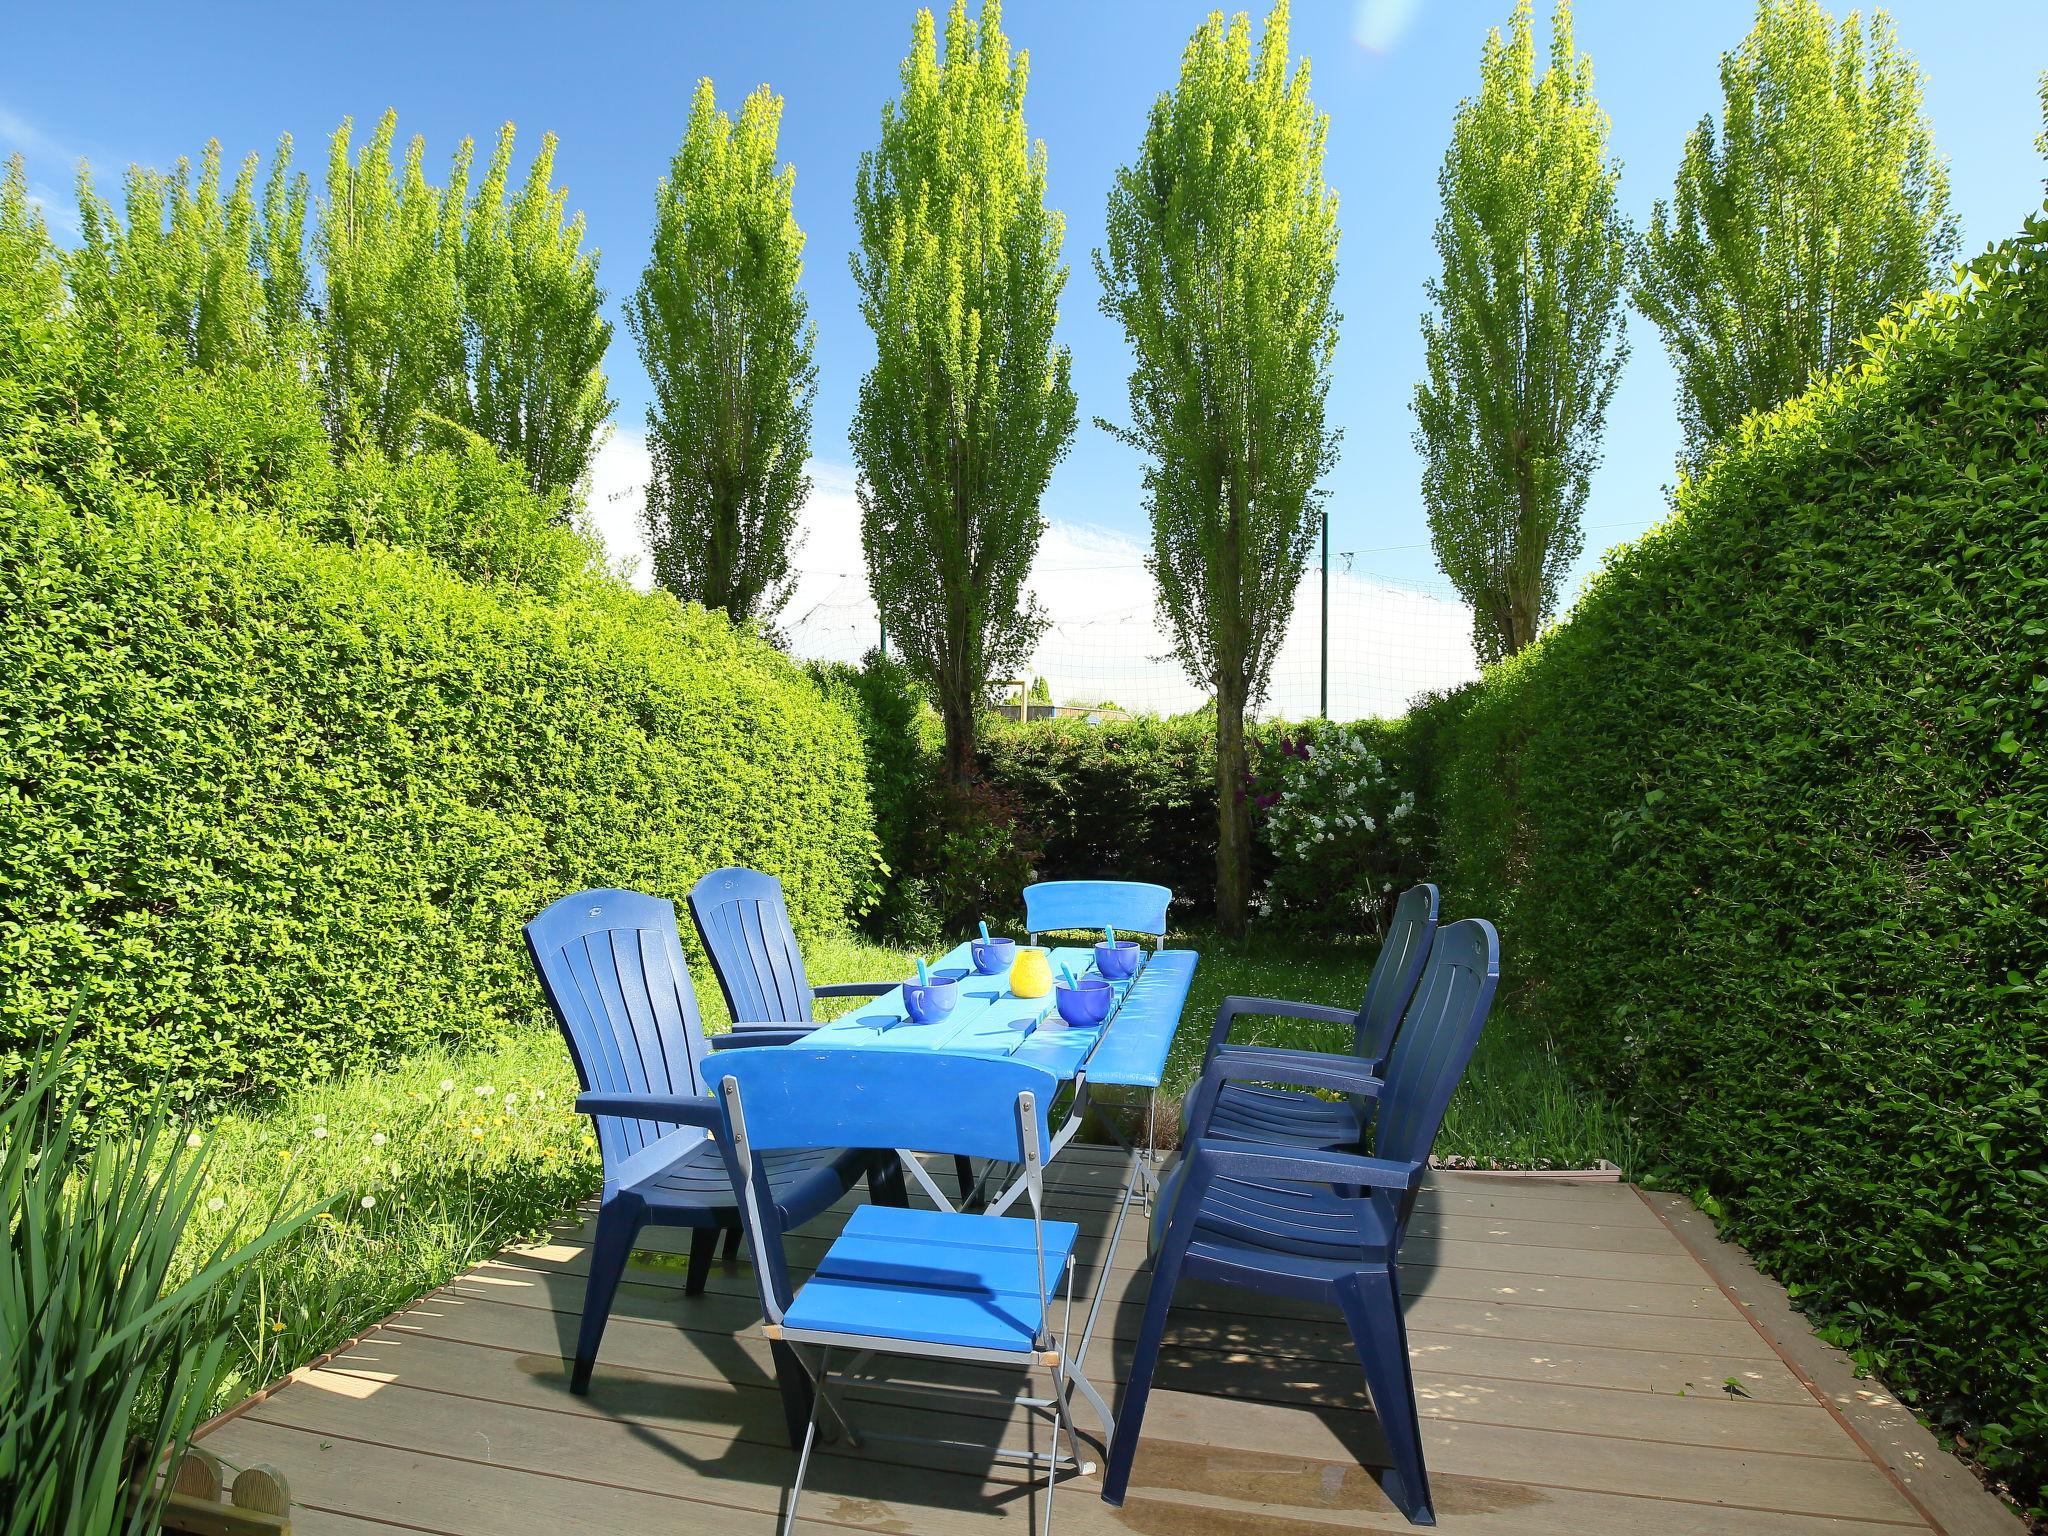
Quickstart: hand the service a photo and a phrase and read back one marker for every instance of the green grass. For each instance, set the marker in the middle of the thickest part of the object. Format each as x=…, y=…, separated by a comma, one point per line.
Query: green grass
x=431, y=1165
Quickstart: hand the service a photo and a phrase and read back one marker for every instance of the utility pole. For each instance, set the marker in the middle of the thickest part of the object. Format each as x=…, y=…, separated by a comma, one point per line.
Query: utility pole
x=1324, y=711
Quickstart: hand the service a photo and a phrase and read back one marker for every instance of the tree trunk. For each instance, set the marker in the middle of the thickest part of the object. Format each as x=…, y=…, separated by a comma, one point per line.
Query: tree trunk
x=1233, y=811
x=956, y=712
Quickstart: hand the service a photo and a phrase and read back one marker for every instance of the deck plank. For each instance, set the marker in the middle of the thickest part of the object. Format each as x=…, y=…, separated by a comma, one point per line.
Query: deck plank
x=1569, y=1354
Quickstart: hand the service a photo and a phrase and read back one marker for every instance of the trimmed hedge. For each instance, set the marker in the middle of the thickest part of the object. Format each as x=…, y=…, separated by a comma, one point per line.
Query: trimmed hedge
x=270, y=806
x=1766, y=824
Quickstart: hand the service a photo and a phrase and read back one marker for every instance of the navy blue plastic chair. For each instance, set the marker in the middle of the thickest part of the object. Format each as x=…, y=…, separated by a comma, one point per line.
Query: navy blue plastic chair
x=1129, y=906
x=1317, y=1225
x=744, y=922
x=939, y=1285
x=611, y=964
x=1290, y=1117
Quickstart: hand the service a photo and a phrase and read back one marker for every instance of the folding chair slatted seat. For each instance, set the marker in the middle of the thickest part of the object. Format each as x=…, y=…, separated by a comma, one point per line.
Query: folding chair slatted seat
x=943, y=1284
x=1248, y=1111
x=611, y=966
x=743, y=920
x=1319, y=1225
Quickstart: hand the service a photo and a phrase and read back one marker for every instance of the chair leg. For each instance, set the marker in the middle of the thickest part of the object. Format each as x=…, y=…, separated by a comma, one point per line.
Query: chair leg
x=963, y=1170
x=1130, y=1417
x=703, y=1248
x=885, y=1181
x=1371, y=1303
x=734, y=1236
x=795, y=1384
x=617, y=1225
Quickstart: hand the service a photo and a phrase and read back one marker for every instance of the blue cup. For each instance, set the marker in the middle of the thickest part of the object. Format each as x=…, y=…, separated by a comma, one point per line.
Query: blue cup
x=1118, y=960
x=1086, y=1002
x=932, y=1001
x=994, y=956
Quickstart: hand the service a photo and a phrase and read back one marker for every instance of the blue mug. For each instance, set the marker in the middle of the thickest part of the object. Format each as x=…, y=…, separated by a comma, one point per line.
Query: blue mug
x=1118, y=960
x=994, y=956
x=1086, y=1002
x=934, y=1000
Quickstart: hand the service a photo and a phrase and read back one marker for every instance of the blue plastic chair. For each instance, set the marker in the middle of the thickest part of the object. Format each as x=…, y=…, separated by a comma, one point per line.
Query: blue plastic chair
x=1288, y=1117
x=744, y=922
x=611, y=964
x=1317, y=1225
x=1129, y=906
x=932, y=1284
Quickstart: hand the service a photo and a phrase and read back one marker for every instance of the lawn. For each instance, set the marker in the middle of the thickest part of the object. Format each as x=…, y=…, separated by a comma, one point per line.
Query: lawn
x=430, y=1165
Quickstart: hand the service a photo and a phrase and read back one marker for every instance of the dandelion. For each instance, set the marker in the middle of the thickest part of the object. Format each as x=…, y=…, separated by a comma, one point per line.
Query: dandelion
x=484, y=1090
x=319, y=1133
x=476, y=1133
x=369, y=1202
x=277, y=1327
x=378, y=1139
x=511, y=1101
x=325, y=1216
x=447, y=1085
x=216, y=1204
x=319, y=1119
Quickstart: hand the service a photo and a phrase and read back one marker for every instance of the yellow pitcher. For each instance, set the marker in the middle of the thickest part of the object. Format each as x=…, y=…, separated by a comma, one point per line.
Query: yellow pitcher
x=1031, y=972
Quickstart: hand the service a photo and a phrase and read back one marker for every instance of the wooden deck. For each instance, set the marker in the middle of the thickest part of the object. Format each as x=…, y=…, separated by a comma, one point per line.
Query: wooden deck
x=1572, y=1358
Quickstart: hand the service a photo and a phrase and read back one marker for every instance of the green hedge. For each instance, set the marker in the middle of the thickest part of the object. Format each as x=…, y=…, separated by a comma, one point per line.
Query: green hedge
x=1766, y=825
x=273, y=806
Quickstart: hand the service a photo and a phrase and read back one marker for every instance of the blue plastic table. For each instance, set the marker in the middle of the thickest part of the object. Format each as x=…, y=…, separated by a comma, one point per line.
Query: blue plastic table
x=1127, y=1050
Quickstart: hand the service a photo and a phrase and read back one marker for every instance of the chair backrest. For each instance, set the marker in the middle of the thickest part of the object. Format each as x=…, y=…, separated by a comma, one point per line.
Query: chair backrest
x=744, y=923
x=1395, y=972
x=794, y=1096
x=1437, y=1038
x=611, y=964
x=1133, y=906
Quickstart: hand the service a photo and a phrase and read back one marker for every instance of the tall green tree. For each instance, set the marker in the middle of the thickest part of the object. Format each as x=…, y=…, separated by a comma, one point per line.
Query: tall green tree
x=969, y=404
x=482, y=312
x=1818, y=206
x=391, y=342
x=1527, y=340
x=726, y=337
x=533, y=327
x=195, y=266
x=1220, y=263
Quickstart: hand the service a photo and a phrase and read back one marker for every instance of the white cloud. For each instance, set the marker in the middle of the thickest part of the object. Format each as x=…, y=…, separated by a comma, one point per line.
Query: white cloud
x=1379, y=25
x=1388, y=642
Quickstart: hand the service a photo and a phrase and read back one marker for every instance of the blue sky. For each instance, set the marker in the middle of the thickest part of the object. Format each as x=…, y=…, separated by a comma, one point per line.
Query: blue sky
x=146, y=83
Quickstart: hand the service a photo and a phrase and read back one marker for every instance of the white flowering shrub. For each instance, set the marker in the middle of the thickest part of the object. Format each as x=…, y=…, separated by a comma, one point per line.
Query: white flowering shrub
x=1339, y=828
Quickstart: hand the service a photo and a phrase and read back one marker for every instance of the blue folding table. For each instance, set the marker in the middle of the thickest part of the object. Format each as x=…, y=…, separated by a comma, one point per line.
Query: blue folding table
x=1127, y=1050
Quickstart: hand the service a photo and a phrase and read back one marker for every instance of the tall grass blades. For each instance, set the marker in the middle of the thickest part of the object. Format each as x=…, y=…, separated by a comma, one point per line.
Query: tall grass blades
x=105, y=1364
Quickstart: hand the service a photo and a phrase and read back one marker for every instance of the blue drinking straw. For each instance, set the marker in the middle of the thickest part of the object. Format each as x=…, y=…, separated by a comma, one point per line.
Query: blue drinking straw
x=1067, y=971
x=1109, y=934
x=924, y=978
x=984, y=933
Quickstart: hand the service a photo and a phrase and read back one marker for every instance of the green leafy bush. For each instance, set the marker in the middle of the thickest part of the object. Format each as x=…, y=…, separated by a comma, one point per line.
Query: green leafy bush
x=898, y=749
x=1766, y=825
x=1126, y=799
x=269, y=806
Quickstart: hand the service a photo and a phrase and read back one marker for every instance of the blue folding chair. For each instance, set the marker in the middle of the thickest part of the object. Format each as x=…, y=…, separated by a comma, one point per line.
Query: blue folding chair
x=611, y=964
x=1317, y=1225
x=744, y=923
x=1129, y=906
x=1245, y=1111
x=939, y=1285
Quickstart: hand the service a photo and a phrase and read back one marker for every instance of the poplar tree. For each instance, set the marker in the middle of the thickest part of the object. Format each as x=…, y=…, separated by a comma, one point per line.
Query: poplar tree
x=969, y=404
x=726, y=338
x=533, y=329
x=1817, y=206
x=444, y=314
x=1527, y=340
x=390, y=334
x=1221, y=262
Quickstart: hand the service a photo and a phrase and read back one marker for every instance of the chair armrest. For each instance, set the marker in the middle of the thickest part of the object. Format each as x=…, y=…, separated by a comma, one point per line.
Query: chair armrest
x=771, y=1026
x=1300, y=1165
x=1233, y=1008
x=742, y=1036
x=700, y=1111
x=1304, y=1069
x=855, y=989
